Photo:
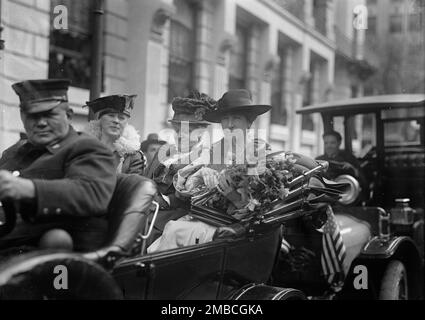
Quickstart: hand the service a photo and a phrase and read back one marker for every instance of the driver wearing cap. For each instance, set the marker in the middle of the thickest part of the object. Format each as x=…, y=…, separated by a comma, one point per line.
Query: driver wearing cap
x=60, y=178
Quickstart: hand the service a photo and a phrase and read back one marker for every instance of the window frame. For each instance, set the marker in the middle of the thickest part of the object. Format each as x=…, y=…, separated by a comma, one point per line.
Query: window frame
x=70, y=50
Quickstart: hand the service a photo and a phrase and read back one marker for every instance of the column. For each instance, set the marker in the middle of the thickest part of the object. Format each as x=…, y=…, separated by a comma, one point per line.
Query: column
x=204, y=15
x=288, y=83
x=252, y=63
x=155, y=69
x=308, y=12
x=330, y=19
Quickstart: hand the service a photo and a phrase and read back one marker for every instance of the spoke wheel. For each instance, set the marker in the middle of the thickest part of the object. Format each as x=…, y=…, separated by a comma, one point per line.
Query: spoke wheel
x=394, y=282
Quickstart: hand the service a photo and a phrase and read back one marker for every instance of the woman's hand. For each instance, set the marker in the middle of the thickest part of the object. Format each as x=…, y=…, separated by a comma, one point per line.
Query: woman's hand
x=210, y=177
x=224, y=186
x=237, y=197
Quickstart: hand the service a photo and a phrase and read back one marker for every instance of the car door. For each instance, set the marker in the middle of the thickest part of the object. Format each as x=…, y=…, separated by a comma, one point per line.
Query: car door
x=192, y=272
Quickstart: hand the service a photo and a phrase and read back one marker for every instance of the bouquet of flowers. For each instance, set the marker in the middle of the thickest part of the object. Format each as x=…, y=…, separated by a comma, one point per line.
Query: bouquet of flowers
x=254, y=192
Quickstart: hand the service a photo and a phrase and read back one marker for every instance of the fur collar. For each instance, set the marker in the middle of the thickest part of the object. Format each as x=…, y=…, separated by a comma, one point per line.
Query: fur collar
x=128, y=143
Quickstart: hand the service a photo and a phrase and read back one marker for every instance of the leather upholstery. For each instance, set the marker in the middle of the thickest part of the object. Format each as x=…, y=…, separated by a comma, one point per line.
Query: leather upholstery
x=127, y=214
x=128, y=209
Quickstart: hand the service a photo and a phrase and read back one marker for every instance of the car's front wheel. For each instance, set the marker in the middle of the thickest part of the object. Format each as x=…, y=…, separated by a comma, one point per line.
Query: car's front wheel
x=394, y=282
x=55, y=275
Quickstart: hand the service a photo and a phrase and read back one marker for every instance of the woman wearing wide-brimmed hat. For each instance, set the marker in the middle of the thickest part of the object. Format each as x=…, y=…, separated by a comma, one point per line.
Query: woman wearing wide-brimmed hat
x=112, y=128
x=236, y=112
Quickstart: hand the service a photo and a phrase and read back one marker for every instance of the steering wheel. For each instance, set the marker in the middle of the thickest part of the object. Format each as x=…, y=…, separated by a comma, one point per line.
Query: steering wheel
x=338, y=169
x=368, y=161
x=371, y=154
x=8, y=217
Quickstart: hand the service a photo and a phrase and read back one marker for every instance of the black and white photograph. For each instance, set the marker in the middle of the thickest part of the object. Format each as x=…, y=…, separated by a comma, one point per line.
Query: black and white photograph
x=214, y=150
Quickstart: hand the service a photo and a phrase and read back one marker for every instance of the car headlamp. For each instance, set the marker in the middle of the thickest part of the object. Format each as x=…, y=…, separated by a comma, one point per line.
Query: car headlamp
x=353, y=191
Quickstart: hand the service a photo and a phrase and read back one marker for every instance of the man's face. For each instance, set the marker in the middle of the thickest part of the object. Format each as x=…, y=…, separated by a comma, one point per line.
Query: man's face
x=331, y=145
x=113, y=124
x=234, y=121
x=49, y=127
x=151, y=151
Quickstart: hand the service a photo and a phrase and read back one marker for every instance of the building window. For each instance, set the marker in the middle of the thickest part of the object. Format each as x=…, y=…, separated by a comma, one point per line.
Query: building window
x=307, y=122
x=354, y=91
x=415, y=22
x=371, y=25
x=239, y=59
x=182, y=51
x=70, y=49
x=279, y=92
x=396, y=23
x=296, y=7
x=319, y=14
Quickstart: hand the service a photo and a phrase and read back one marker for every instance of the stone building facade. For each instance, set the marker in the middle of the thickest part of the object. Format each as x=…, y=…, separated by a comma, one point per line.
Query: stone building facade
x=283, y=51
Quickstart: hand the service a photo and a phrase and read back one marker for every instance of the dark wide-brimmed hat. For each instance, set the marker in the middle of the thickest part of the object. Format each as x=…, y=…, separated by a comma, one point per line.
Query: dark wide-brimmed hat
x=41, y=95
x=152, y=139
x=236, y=101
x=120, y=103
x=192, y=108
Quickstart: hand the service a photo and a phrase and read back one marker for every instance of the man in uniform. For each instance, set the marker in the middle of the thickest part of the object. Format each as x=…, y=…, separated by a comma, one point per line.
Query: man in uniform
x=58, y=177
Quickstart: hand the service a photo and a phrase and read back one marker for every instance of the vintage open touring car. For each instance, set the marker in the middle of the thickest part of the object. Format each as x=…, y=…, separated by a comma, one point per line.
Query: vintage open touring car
x=245, y=260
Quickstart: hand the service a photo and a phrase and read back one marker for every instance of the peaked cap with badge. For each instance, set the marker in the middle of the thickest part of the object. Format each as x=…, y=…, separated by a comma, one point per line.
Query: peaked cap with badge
x=41, y=95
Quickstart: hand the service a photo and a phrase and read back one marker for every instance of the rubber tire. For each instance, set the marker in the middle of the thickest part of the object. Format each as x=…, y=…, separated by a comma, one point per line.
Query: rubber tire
x=30, y=276
x=264, y=292
x=395, y=273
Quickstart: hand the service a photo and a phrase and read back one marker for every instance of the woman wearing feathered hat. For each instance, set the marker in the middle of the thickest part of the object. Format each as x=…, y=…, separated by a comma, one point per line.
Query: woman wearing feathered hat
x=189, y=124
x=112, y=128
x=236, y=112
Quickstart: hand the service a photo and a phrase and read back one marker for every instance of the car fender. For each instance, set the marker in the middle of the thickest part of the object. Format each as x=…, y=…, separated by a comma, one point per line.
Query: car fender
x=379, y=248
x=374, y=258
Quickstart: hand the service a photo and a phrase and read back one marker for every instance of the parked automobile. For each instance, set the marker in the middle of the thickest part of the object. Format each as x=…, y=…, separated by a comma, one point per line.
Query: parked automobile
x=387, y=135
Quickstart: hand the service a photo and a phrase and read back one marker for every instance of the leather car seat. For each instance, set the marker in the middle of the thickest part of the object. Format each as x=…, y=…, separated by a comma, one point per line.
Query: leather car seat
x=127, y=215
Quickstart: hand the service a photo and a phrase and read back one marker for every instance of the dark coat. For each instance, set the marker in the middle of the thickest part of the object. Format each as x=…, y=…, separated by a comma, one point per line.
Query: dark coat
x=163, y=178
x=129, y=159
x=341, y=156
x=74, y=178
x=134, y=163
